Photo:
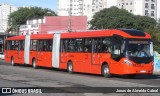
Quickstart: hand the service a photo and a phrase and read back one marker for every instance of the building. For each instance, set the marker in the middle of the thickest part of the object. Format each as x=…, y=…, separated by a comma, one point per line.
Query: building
x=54, y=24
x=90, y=7
x=5, y=11
x=137, y=7
x=80, y=7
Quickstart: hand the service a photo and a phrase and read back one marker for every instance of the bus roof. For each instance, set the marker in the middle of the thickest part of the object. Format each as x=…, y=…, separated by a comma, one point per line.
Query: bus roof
x=126, y=33
x=34, y=36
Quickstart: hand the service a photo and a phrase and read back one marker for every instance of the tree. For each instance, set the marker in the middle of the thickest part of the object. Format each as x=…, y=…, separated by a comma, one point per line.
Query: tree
x=158, y=24
x=20, y=16
x=120, y=18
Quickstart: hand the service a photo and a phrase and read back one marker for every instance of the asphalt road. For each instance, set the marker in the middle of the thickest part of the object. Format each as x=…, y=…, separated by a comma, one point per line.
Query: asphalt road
x=26, y=76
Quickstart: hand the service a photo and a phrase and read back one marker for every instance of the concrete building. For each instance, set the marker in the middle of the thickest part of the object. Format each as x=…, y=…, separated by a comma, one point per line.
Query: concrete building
x=5, y=11
x=137, y=7
x=80, y=7
x=54, y=24
x=90, y=7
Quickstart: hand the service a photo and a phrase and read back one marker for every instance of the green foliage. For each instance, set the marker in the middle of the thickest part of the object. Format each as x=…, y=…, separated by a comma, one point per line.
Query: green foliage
x=120, y=18
x=155, y=33
x=158, y=24
x=20, y=16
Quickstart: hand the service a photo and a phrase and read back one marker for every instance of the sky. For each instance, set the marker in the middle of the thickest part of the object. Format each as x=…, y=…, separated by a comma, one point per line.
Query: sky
x=51, y=4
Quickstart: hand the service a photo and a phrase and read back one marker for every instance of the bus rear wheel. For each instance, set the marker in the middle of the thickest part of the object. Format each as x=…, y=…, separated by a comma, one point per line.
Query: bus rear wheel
x=70, y=67
x=12, y=61
x=34, y=64
x=106, y=71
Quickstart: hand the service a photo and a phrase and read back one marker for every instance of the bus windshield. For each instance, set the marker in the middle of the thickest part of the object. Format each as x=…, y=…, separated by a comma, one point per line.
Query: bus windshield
x=139, y=51
x=139, y=48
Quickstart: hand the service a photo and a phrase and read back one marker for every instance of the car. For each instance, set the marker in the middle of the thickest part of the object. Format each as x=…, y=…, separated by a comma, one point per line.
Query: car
x=1, y=55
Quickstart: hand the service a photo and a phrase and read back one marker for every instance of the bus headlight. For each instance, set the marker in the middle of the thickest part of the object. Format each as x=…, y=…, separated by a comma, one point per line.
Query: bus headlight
x=128, y=62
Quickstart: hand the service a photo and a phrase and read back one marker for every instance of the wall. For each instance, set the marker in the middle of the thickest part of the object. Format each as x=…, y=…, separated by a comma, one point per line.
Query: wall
x=62, y=23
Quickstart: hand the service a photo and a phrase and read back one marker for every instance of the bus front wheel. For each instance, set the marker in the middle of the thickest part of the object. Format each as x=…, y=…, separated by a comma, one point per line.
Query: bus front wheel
x=34, y=64
x=106, y=71
x=70, y=67
x=12, y=61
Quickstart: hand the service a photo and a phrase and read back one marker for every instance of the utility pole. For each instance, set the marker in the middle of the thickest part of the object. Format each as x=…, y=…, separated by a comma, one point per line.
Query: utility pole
x=69, y=25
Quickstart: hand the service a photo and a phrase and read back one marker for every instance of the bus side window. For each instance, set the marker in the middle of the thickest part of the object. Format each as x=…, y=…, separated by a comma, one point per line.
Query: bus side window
x=33, y=46
x=40, y=45
x=6, y=47
x=106, y=44
x=14, y=45
x=97, y=45
x=64, y=45
x=49, y=45
x=79, y=45
x=9, y=45
x=21, y=45
x=87, y=45
x=71, y=45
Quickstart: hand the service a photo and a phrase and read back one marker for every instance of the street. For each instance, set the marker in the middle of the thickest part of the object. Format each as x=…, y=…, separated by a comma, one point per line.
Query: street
x=26, y=76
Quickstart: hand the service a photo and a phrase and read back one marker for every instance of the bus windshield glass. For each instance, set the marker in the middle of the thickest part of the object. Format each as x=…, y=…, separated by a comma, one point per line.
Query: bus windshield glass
x=139, y=48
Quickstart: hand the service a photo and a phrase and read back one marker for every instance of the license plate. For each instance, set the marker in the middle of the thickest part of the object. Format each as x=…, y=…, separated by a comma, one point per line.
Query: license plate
x=143, y=71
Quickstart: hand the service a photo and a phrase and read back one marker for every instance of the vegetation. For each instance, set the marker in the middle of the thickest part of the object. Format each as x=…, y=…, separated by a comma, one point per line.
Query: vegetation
x=120, y=18
x=20, y=16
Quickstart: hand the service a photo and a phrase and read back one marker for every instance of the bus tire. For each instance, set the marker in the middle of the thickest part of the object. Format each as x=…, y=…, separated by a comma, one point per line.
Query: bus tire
x=106, y=71
x=12, y=61
x=34, y=64
x=70, y=67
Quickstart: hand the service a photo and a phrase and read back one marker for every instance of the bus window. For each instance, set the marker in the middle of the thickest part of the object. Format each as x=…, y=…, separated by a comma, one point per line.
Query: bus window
x=15, y=45
x=49, y=45
x=21, y=45
x=9, y=45
x=45, y=45
x=79, y=45
x=97, y=45
x=116, y=48
x=71, y=45
x=106, y=45
x=87, y=45
x=6, y=47
x=33, y=45
x=64, y=45
x=40, y=45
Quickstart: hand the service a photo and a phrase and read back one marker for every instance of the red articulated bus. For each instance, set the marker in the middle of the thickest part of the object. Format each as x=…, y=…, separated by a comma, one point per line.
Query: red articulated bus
x=106, y=52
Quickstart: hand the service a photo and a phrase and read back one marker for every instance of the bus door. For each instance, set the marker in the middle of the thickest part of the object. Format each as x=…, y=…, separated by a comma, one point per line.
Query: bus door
x=7, y=47
x=14, y=45
x=63, y=54
x=40, y=53
x=45, y=53
x=21, y=51
x=116, y=53
x=96, y=46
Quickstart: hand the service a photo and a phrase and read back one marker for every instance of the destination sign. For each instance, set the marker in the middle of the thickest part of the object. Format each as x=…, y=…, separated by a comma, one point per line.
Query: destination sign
x=138, y=42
